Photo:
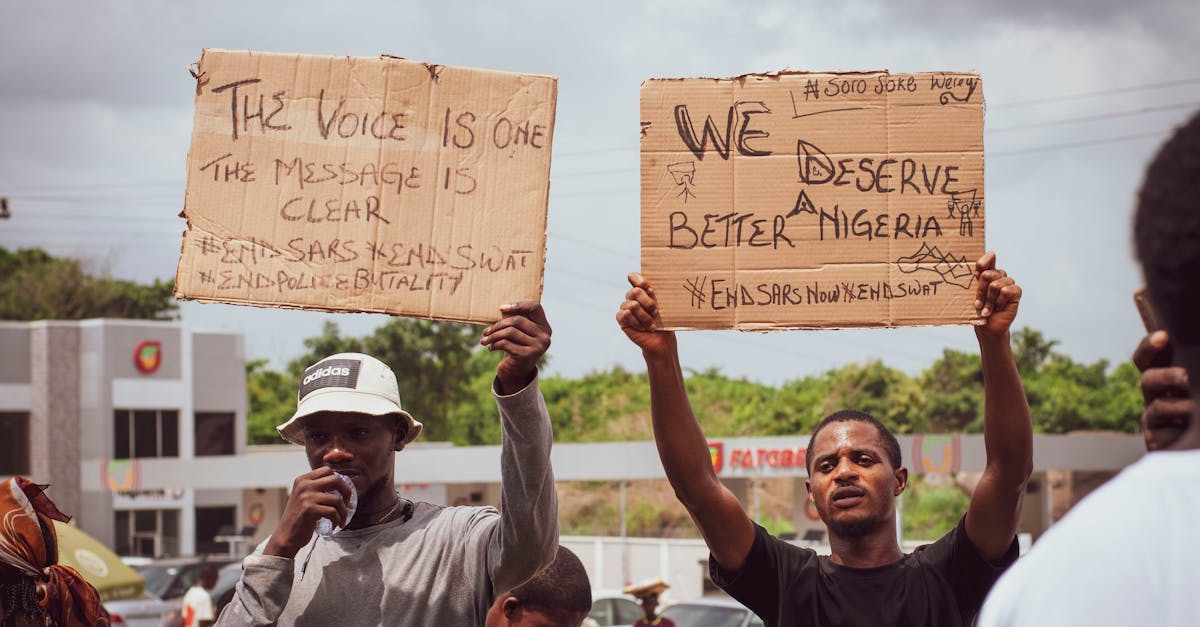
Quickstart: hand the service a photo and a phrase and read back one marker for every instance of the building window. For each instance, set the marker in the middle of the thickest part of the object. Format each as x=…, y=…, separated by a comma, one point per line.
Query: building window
x=146, y=532
x=212, y=522
x=145, y=433
x=14, y=446
x=214, y=433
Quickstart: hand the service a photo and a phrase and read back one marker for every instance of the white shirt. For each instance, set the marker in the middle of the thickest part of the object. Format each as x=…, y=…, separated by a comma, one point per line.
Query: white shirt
x=197, y=606
x=1128, y=554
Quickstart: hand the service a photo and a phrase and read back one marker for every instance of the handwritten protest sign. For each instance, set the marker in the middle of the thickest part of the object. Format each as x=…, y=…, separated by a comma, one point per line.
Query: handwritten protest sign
x=804, y=200
x=366, y=184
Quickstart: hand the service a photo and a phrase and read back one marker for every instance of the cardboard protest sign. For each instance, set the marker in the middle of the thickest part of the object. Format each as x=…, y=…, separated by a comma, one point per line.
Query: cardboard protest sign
x=805, y=200
x=366, y=184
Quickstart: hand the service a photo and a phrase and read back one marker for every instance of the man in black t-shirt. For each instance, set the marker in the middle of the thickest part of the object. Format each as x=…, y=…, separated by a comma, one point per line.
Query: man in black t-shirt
x=855, y=475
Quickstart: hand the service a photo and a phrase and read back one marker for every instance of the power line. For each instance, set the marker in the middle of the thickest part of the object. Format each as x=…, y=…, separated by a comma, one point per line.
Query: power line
x=1093, y=94
x=580, y=153
x=86, y=186
x=593, y=246
x=1095, y=142
x=1101, y=116
x=596, y=173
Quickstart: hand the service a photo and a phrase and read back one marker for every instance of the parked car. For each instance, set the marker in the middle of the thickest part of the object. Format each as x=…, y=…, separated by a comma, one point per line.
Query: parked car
x=169, y=579
x=712, y=613
x=144, y=611
x=222, y=593
x=611, y=608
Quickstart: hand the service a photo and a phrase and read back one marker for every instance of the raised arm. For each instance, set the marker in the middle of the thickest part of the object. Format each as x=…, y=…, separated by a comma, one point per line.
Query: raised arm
x=526, y=538
x=681, y=445
x=1007, y=427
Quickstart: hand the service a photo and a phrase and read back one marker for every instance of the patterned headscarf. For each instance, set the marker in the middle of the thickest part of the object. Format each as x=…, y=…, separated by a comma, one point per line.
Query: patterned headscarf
x=29, y=546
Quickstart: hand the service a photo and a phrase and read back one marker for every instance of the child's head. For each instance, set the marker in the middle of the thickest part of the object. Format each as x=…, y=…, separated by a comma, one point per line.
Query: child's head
x=558, y=595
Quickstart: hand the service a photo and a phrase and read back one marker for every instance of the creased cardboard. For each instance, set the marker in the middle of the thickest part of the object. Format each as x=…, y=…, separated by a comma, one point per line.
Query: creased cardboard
x=366, y=184
x=813, y=200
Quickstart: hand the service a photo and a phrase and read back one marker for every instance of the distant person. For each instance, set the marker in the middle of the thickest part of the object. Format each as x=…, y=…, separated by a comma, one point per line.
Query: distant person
x=198, y=606
x=650, y=617
x=35, y=590
x=855, y=474
x=647, y=595
x=560, y=595
x=1128, y=553
x=399, y=562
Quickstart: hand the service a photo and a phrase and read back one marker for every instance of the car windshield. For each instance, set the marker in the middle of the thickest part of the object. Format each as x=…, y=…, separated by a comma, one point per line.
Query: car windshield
x=158, y=578
x=705, y=616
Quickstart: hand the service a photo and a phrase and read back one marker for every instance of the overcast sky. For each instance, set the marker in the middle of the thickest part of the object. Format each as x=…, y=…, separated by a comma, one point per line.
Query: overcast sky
x=96, y=111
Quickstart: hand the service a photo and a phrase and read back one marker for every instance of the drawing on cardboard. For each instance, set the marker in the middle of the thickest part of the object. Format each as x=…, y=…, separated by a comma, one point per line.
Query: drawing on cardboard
x=684, y=174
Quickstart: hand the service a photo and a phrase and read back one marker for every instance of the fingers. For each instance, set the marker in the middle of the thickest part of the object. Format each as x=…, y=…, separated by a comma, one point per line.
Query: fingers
x=640, y=302
x=516, y=331
x=321, y=494
x=512, y=337
x=1164, y=420
x=1150, y=350
x=1159, y=383
x=531, y=309
x=996, y=290
x=986, y=262
x=632, y=315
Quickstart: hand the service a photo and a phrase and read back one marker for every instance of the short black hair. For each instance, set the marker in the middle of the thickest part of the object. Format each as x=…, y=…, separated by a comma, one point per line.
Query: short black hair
x=561, y=588
x=886, y=439
x=1166, y=231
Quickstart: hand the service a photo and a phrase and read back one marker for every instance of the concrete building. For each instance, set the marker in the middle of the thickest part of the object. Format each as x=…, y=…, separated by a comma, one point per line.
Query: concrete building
x=79, y=400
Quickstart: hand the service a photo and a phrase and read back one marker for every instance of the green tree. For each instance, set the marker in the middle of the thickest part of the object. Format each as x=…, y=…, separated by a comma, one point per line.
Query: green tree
x=271, y=398
x=930, y=511
x=37, y=286
x=886, y=393
x=953, y=388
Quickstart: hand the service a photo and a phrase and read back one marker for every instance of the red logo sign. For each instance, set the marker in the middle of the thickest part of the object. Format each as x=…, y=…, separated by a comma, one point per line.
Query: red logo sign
x=147, y=356
x=256, y=513
x=716, y=450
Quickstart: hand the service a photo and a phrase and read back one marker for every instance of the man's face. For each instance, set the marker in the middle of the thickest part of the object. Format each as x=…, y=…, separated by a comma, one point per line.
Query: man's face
x=853, y=484
x=649, y=605
x=360, y=446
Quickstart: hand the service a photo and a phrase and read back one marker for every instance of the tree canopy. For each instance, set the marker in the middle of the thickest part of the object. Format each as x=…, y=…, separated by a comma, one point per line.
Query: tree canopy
x=37, y=286
x=445, y=379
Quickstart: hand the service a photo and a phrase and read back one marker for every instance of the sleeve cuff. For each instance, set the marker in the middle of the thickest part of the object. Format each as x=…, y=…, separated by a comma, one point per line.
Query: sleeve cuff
x=268, y=562
x=522, y=393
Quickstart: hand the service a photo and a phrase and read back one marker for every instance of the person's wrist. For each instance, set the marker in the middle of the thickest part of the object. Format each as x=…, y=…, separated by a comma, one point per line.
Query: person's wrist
x=512, y=382
x=664, y=350
x=278, y=548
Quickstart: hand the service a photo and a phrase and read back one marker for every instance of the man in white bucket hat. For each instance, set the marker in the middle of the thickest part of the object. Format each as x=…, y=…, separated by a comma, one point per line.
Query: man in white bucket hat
x=397, y=562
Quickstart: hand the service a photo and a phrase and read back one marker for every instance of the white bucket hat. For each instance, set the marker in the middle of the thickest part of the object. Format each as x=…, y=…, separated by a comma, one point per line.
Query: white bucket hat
x=348, y=382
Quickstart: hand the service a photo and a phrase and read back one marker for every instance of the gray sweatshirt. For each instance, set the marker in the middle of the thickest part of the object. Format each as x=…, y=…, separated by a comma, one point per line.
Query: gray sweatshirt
x=441, y=568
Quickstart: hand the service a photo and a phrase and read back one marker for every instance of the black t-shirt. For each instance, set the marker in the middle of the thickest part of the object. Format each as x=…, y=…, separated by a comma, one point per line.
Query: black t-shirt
x=943, y=583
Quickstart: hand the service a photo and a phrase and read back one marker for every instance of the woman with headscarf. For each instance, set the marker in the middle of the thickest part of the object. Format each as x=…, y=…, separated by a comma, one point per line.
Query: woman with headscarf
x=34, y=588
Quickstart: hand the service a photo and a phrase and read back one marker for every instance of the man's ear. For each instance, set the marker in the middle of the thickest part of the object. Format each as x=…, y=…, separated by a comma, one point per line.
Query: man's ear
x=901, y=480
x=512, y=609
x=398, y=435
x=808, y=488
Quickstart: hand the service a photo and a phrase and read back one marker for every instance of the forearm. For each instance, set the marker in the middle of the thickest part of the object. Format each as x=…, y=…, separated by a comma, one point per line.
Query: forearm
x=528, y=532
x=682, y=447
x=1007, y=425
x=262, y=594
